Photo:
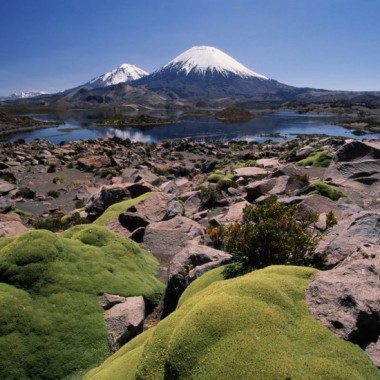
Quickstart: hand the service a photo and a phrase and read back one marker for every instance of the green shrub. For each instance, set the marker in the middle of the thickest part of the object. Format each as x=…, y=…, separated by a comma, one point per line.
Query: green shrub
x=319, y=158
x=331, y=220
x=52, y=168
x=256, y=326
x=209, y=197
x=244, y=164
x=326, y=190
x=53, y=193
x=51, y=323
x=104, y=172
x=59, y=223
x=269, y=234
x=224, y=183
x=58, y=179
x=214, y=177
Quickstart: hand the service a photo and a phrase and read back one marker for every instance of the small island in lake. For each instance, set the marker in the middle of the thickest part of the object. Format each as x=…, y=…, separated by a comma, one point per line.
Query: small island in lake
x=141, y=121
x=12, y=124
x=231, y=115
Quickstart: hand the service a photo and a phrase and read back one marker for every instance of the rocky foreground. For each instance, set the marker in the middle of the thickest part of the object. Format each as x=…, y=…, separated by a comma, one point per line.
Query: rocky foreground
x=164, y=196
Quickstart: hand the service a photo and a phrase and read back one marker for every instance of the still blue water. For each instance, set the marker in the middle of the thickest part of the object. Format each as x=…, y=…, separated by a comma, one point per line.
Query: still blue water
x=287, y=124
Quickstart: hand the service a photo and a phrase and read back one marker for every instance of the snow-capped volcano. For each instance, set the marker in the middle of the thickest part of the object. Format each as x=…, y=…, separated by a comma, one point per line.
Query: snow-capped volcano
x=208, y=73
x=203, y=59
x=124, y=73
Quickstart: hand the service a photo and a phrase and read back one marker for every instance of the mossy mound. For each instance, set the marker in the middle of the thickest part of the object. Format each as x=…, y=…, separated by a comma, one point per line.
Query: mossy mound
x=116, y=209
x=322, y=188
x=253, y=327
x=51, y=324
x=319, y=158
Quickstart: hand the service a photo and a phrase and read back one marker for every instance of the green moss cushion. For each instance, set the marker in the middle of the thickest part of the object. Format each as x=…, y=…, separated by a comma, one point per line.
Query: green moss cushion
x=253, y=327
x=51, y=323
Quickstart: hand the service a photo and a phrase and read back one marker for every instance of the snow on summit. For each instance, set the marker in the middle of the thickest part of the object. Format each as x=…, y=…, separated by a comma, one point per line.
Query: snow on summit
x=200, y=59
x=122, y=74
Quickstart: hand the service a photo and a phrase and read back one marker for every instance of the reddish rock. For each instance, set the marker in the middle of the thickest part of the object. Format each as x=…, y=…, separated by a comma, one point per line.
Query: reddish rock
x=11, y=225
x=250, y=172
x=6, y=187
x=94, y=162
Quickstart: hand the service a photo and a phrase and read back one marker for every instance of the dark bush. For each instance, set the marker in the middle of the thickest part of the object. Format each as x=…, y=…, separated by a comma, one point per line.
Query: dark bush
x=59, y=223
x=269, y=234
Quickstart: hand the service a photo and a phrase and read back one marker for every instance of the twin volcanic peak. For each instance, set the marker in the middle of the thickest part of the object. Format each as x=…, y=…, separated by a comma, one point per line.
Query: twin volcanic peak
x=199, y=61
x=123, y=74
x=202, y=60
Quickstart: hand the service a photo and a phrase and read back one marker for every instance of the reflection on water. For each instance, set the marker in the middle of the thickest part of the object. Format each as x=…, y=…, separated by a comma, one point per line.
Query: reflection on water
x=133, y=135
x=286, y=124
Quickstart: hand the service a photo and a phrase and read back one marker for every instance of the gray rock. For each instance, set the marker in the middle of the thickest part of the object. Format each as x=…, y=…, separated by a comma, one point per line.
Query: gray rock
x=346, y=299
x=107, y=196
x=256, y=189
x=5, y=206
x=107, y=300
x=187, y=265
x=290, y=170
x=356, y=164
x=178, y=186
x=124, y=318
x=304, y=152
x=165, y=239
x=234, y=213
x=158, y=207
x=268, y=163
x=321, y=205
x=249, y=172
x=208, y=166
x=110, y=194
x=138, y=175
x=359, y=232
x=192, y=202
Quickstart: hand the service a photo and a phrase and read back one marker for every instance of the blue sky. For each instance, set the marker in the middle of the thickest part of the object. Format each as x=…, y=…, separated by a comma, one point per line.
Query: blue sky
x=53, y=45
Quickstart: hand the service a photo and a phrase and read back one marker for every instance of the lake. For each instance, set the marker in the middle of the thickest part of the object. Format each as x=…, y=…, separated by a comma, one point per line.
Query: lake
x=286, y=124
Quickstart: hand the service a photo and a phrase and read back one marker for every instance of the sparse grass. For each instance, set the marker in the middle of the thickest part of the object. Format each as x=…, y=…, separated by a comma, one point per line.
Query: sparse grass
x=58, y=179
x=244, y=164
x=322, y=188
x=253, y=327
x=20, y=212
x=224, y=183
x=214, y=177
x=319, y=158
x=51, y=324
x=104, y=172
x=59, y=223
x=209, y=197
x=53, y=193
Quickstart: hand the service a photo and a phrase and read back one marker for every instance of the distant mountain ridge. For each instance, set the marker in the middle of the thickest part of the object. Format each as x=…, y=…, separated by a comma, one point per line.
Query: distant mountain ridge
x=201, y=73
x=23, y=95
